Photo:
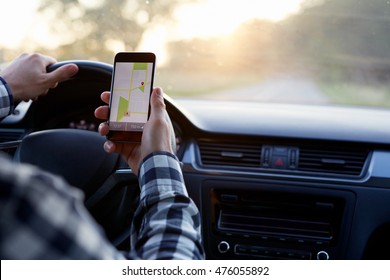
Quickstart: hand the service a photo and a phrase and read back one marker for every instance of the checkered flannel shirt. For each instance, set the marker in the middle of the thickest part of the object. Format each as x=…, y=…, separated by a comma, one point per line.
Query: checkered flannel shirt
x=42, y=217
x=6, y=100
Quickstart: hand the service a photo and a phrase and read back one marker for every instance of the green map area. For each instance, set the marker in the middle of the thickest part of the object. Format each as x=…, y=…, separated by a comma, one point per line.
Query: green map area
x=122, y=108
x=138, y=78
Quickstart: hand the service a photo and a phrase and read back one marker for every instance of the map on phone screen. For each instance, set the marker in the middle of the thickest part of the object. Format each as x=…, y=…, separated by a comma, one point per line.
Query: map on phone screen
x=130, y=95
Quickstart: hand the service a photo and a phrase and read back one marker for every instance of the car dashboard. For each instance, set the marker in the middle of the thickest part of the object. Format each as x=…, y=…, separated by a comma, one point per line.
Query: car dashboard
x=272, y=181
x=289, y=181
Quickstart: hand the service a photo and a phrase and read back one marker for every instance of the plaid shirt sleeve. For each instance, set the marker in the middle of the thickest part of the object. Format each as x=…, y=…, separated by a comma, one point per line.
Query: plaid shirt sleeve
x=42, y=217
x=6, y=99
x=166, y=224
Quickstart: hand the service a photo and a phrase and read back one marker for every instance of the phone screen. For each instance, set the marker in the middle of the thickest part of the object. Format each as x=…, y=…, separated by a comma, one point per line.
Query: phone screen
x=131, y=86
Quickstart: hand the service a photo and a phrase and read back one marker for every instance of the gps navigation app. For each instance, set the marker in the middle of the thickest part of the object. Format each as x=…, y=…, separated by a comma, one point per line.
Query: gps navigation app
x=130, y=96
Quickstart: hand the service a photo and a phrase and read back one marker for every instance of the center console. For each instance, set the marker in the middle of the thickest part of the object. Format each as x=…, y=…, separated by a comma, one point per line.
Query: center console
x=268, y=221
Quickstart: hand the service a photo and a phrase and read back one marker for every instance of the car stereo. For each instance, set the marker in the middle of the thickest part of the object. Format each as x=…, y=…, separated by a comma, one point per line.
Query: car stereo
x=274, y=222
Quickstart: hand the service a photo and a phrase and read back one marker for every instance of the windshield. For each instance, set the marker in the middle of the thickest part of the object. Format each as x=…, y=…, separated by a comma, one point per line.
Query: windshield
x=327, y=52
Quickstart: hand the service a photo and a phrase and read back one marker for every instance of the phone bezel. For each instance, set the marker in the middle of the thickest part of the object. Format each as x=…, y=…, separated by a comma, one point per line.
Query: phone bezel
x=149, y=57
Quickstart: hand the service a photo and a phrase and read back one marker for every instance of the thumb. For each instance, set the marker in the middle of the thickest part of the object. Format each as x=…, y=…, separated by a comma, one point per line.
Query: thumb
x=159, y=117
x=62, y=73
x=157, y=104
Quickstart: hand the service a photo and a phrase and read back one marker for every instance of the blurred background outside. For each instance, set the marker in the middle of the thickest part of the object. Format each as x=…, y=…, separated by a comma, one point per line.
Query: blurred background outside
x=293, y=51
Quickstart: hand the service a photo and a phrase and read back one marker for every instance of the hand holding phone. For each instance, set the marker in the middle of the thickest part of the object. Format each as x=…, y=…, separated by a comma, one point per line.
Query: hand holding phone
x=131, y=87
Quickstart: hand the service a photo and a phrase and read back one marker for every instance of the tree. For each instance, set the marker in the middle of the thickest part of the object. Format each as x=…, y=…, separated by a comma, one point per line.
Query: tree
x=349, y=37
x=93, y=29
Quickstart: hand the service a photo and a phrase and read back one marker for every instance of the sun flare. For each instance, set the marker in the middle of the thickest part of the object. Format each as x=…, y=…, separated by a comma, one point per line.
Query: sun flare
x=220, y=17
x=198, y=19
x=15, y=21
x=213, y=18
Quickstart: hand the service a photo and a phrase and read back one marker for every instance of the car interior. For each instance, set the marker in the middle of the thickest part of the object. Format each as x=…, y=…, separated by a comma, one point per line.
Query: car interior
x=281, y=121
x=312, y=187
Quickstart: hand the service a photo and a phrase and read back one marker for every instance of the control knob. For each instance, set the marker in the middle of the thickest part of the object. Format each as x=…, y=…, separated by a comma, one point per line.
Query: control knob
x=223, y=247
x=322, y=255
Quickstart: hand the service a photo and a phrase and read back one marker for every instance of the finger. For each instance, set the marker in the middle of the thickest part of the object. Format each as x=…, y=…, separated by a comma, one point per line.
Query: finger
x=103, y=129
x=62, y=73
x=47, y=60
x=102, y=112
x=109, y=147
x=105, y=97
x=157, y=104
x=55, y=85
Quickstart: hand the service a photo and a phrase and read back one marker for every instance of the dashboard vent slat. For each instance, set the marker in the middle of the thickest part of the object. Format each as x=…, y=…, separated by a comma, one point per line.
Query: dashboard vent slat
x=10, y=139
x=332, y=160
x=255, y=223
x=277, y=215
x=7, y=135
x=230, y=154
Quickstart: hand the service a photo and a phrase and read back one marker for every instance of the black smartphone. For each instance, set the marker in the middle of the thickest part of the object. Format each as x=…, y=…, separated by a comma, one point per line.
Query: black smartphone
x=131, y=87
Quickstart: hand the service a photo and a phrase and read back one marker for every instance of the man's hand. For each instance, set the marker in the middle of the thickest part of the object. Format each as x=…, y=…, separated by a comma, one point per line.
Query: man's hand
x=156, y=135
x=28, y=79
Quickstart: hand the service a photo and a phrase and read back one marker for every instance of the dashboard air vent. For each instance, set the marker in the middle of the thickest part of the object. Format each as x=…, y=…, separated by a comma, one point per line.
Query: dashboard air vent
x=277, y=214
x=332, y=160
x=251, y=222
x=230, y=154
x=7, y=135
x=10, y=139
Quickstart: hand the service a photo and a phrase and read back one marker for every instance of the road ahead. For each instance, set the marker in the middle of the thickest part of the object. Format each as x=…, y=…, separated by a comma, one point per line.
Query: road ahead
x=282, y=89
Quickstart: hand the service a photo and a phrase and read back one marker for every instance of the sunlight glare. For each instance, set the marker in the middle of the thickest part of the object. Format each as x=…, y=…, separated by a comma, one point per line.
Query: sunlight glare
x=220, y=17
x=209, y=18
x=92, y=4
x=154, y=40
x=14, y=21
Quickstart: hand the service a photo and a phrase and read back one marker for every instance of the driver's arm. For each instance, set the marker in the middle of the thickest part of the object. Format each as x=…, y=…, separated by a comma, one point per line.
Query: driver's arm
x=42, y=217
x=6, y=100
x=26, y=78
x=167, y=223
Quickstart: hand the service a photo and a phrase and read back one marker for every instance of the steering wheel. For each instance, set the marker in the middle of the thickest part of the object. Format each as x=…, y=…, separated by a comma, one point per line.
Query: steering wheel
x=111, y=190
